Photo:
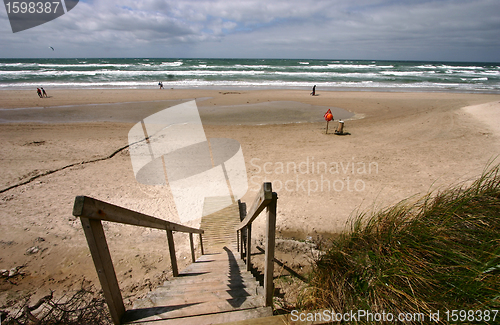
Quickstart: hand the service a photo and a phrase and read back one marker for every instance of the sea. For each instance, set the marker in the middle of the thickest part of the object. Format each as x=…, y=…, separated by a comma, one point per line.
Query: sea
x=142, y=73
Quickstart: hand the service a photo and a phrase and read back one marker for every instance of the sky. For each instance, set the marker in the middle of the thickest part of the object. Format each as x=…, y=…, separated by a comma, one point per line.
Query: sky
x=430, y=30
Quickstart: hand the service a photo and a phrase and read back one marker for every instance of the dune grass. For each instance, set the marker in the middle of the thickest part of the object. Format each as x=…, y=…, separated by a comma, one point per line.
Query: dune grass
x=441, y=252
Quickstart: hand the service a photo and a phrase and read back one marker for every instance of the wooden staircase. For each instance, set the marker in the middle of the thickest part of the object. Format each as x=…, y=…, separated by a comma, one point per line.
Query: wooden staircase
x=215, y=289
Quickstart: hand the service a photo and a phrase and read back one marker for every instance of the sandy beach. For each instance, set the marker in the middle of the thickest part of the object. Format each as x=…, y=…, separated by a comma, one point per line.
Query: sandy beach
x=398, y=145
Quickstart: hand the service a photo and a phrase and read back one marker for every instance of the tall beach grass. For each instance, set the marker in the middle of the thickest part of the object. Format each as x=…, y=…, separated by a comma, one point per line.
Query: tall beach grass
x=440, y=252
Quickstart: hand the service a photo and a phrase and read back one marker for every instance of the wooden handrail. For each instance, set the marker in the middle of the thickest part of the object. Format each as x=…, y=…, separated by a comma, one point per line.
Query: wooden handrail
x=94, y=209
x=91, y=212
x=259, y=204
x=265, y=199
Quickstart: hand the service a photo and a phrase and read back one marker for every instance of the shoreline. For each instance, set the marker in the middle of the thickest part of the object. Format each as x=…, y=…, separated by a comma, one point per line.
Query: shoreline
x=305, y=89
x=260, y=88
x=73, y=97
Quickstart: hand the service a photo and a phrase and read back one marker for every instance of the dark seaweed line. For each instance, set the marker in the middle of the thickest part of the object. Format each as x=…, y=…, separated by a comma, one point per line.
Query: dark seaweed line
x=49, y=172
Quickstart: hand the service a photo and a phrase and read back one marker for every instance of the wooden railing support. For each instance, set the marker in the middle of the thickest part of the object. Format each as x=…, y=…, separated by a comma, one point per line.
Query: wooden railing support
x=171, y=249
x=270, y=243
x=249, y=247
x=104, y=267
x=201, y=245
x=237, y=240
x=242, y=207
x=191, y=244
x=242, y=243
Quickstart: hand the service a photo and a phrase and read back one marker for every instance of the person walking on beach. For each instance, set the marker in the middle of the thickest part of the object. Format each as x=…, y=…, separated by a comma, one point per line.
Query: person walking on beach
x=39, y=92
x=314, y=91
x=43, y=92
x=160, y=84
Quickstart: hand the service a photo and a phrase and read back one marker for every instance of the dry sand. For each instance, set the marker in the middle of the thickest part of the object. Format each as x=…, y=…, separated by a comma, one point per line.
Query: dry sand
x=399, y=145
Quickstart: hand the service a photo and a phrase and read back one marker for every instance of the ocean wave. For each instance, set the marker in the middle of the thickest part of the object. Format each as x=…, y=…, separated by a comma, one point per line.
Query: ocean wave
x=359, y=66
x=172, y=64
x=86, y=65
x=451, y=67
x=475, y=79
x=145, y=73
x=194, y=83
x=405, y=73
x=249, y=66
x=426, y=66
x=352, y=66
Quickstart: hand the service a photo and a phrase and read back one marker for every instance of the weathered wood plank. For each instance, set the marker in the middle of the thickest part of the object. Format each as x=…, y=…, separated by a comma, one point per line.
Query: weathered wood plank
x=104, y=267
x=249, y=247
x=171, y=249
x=263, y=198
x=242, y=207
x=191, y=244
x=279, y=320
x=94, y=209
x=237, y=240
x=201, y=245
x=242, y=242
x=270, y=243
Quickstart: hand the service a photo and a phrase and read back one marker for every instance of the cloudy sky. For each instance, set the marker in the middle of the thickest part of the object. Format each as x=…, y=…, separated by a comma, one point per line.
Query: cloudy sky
x=451, y=30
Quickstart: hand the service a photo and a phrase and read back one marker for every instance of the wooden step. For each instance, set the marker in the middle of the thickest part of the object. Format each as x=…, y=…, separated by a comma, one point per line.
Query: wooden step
x=217, y=318
x=217, y=257
x=208, y=285
x=276, y=320
x=221, y=278
x=224, y=317
x=188, y=297
x=213, y=267
x=204, y=295
x=160, y=311
x=207, y=272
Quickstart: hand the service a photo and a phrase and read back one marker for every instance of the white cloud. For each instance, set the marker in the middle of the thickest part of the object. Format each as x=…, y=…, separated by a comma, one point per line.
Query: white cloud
x=440, y=29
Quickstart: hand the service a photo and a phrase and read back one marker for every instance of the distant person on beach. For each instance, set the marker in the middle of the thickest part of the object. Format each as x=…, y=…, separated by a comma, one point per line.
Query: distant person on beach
x=43, y=92
x=160, y=84
x=39, y=92
x=314, y=91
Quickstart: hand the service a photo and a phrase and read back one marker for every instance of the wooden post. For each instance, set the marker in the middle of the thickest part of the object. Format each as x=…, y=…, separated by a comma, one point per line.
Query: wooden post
x=242, y=207
x=191, y=242
x=249, y=246
x=340, y=128
x=327, y=127
x=269, y=259
x=104, y=266
x=201, y=245
x=171, y=249
x=242, y=242
x=237, y=240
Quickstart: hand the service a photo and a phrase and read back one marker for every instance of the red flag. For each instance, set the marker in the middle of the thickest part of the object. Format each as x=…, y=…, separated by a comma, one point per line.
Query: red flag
x=328, y=115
